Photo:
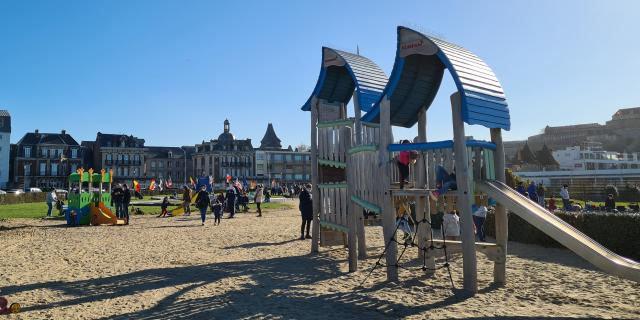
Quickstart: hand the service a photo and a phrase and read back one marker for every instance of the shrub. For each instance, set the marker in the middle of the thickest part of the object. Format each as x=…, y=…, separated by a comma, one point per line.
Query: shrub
x=617, y=232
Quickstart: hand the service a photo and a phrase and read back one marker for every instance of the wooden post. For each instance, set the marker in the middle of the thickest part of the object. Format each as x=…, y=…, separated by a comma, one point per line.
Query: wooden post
x=502, y=220
x=352, y=213
x=388, y=214
x=465, y=197
x=362, y=245
x=315, y=193
x=422, y=206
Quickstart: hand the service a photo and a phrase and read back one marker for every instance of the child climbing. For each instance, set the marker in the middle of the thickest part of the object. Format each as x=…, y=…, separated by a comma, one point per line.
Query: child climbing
x=403, y=215
x=479, y=216
x=163, y=207
x=404, y=158
x=444, y=182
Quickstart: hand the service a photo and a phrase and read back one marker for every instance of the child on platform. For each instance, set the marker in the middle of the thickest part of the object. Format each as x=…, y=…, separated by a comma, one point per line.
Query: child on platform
x=403, y=165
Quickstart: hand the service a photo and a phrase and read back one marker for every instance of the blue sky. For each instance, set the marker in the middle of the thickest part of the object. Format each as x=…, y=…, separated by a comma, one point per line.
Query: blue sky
x=171, y=71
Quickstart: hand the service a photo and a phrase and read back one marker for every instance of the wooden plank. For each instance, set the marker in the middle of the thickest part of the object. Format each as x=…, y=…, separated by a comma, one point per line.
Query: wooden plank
x=314, y=178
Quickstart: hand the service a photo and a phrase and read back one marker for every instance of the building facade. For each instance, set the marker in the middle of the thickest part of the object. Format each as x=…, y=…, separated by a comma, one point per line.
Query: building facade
x=278, y=165
x=166, y=164
x=5, y=147
x=224, y=156
x=46, y=159
x=123, y=154
x=592, y=156
x=621, y=133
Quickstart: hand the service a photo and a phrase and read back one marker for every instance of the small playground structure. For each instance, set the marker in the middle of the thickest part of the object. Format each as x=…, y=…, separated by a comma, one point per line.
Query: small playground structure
x=88, y=200
x=353, y=166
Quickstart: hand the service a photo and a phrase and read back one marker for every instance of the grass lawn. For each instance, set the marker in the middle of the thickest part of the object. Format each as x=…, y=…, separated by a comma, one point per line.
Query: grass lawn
x=25, y=210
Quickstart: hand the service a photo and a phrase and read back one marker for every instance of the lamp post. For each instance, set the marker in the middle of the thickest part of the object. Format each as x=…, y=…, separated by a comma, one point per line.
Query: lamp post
x=184, y=178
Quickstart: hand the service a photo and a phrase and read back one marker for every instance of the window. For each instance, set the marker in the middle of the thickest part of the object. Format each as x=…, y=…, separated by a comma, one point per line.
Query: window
x=27, y=169
x=125, y=158
x=74, y=167
x=153, y=164
x=259, y=156
x=109, y=157
x=27, y=152
x=125, y=172
x=260, y=166
x=43, y=169
x=277, y=157
x=54, y=169
x=74, y=153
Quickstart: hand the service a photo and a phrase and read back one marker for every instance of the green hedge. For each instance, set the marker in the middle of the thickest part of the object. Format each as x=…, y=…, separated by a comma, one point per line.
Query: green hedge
x=27, y=197
x=619, y=233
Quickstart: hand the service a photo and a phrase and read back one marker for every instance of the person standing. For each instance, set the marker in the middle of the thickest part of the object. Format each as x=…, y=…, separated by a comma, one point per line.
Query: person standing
x=231, y=201
x=404, y=158
x=163, y=207
x=117, y=196
x=202, y=202
x=610, y=203
x=533, y=191
x=479, y=216
x=541, y=194
x=51, y=199
x=258, y=199
x=186, y=200
x=451, y=225
x=520, y=188
x=216, y=207
x=126, y=200
x=564, y=194
x=306, y=211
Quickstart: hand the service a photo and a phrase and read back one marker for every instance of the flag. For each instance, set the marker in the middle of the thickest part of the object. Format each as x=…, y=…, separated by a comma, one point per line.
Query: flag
x=211, y=181
x=136, y=186
x=152, y=184
x=193, y=183
x=169, y=183
x=273, y=183
x=244, y=182
x=161, y=185
x=237, y=184
x=228, y=178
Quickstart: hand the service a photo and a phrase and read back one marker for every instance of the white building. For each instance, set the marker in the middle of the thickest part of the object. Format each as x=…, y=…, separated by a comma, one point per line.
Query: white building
x=5, y=146
x=591, y=156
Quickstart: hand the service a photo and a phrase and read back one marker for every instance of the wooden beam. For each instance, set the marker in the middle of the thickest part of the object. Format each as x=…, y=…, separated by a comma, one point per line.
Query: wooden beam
x=501, y=218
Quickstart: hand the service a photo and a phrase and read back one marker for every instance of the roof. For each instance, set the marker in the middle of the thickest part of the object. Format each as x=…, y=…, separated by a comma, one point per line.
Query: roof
x=341, y=73
x=270, y=139
x=116, y=140
x=4, y=113
x=163, y=152
x=417, y=73
x=34, y=138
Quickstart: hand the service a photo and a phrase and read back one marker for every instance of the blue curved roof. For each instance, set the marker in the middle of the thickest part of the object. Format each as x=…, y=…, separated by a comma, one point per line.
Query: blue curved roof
x=341, y=73
x=417, y=74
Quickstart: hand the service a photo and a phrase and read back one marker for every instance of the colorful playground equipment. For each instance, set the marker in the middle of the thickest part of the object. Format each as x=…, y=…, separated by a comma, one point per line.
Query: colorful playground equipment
x=87, y=199
x=353, y=166
x=6, y=308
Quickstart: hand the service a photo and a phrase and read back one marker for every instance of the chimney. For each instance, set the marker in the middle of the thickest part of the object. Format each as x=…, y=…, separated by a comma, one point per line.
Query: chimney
x=37, y=131
x=63, y=131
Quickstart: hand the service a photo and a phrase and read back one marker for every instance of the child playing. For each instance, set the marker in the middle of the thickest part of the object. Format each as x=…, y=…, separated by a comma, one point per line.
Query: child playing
x=451, y=225
x=163, y=207
x=403, y=165
x=216, y=207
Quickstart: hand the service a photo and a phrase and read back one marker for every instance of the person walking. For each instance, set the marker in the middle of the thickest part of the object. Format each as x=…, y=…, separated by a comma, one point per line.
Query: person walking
x=216, y=208
x=126, y=200
x=163, y=207
x=479, y=216
x=610, y=203
x=186, y=200
x=564, y=194
x=117, y=196
x=202, y=203
x=306, y=211
x=51, y=199
x=541, y=194
x=258, y=199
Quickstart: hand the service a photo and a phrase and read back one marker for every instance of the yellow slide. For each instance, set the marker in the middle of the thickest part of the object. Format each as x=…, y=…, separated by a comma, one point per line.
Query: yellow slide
x=561, y=231
x=180, y=210
x=103, y=215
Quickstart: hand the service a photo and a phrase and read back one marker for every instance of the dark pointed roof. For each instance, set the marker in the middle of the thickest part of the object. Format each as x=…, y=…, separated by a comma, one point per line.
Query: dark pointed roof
x=270, y=141
x=33, y=138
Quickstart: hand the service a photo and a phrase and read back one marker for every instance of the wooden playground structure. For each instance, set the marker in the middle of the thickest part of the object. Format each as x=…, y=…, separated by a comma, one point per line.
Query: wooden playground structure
x=354, y=167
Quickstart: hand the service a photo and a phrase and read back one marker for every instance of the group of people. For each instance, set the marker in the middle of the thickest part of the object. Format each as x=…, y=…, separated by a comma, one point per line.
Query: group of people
x=121, y=199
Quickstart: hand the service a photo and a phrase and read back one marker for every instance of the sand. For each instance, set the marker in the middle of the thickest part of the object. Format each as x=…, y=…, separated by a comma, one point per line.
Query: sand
x=253, y=268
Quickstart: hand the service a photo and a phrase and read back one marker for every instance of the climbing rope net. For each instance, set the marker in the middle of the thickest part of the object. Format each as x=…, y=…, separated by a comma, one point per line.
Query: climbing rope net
x=410, y=240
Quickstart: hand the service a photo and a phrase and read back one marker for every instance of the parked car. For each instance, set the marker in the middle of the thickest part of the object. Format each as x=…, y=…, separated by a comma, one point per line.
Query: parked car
x=62, y=193
x=15, y=191
x=34, y=190
x=3, y=192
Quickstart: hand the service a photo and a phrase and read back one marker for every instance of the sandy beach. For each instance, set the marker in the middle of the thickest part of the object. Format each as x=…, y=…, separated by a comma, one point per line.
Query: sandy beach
x=254, y=268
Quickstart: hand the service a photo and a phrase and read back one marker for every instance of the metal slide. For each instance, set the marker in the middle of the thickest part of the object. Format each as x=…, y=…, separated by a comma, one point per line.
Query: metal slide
x=561, y=231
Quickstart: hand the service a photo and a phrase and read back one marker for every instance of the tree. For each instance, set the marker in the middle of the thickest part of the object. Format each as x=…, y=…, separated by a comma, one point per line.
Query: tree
x=545, y=157
x=611, y=190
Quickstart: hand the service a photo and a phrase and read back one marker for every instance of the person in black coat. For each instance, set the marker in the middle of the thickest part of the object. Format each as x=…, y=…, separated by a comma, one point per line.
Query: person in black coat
x=117, y=199
x=306, y=210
